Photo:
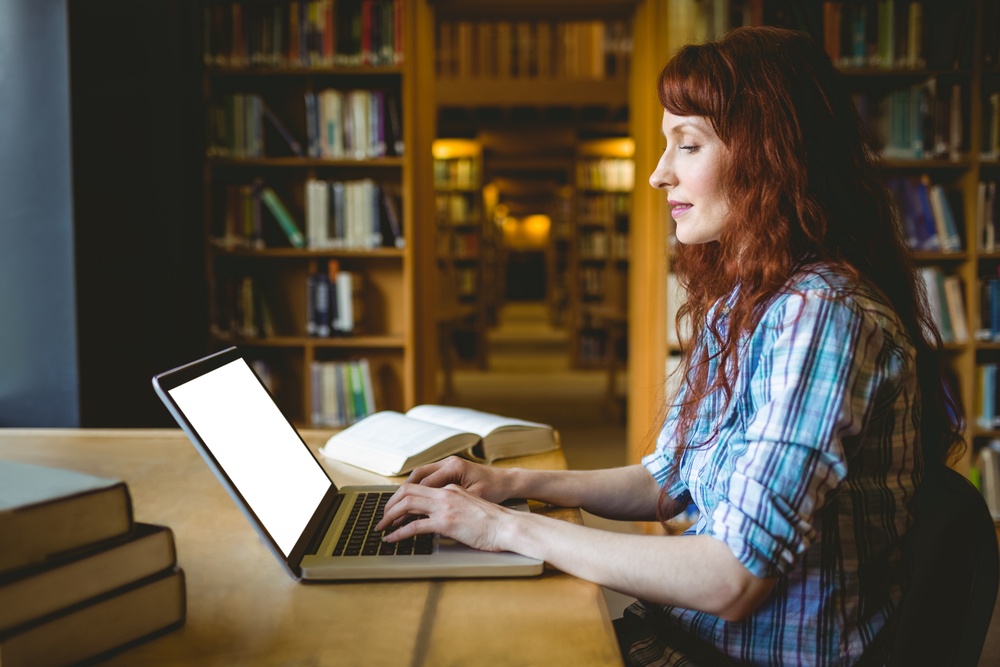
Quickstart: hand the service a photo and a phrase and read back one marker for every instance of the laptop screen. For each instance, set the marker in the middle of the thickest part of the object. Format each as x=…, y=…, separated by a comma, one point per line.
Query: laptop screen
x=258, y=449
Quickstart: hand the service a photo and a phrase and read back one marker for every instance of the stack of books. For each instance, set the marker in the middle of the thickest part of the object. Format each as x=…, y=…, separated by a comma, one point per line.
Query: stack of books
x=79, y=577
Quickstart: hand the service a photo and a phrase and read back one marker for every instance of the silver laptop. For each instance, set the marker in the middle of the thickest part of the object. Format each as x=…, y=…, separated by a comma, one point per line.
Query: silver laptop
x=314, y=529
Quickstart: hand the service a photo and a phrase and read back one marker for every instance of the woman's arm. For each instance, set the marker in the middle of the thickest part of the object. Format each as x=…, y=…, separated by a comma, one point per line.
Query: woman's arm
x=695, y=572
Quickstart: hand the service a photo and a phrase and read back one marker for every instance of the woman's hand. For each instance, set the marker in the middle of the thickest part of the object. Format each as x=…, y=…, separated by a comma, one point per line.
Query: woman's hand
x=492, y=484
x=452, y=511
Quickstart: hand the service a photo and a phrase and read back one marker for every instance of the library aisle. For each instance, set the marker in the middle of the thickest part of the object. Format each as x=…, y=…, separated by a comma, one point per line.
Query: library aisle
x=529, y=377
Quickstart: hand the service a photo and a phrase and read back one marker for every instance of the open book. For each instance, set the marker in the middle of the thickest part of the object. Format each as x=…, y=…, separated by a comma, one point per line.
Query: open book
x=391, y=443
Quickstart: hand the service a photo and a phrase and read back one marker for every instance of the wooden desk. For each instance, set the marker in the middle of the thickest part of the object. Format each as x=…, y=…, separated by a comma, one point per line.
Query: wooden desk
x=243, y=609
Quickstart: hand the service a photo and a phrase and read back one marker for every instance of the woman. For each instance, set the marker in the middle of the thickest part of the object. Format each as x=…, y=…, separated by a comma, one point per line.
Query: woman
x=812, y=405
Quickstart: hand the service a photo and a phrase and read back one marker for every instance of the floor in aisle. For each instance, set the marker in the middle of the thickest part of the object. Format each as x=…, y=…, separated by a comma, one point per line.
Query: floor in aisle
x=529, y=377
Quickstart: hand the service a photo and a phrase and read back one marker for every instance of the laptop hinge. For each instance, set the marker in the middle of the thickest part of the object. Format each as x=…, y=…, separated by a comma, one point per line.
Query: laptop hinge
x=324, y=524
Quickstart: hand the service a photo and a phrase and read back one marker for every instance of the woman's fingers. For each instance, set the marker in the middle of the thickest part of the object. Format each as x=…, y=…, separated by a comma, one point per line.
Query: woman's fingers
x=450, y=511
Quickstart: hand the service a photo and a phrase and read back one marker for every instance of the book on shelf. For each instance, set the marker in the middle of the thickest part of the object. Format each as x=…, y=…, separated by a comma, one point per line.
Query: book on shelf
x=933, y=279
x=944, y=218
x=36, y=591
x=392, y=443
x=46, y=512
x=290, y=142
x=988, y=416
x=96, y=627
x=335, y=302
x=987, y=462
x=986, y=222
x=241, y=309
x=342, y=392
x=989, y=309
x=955, y=301
x=283, y=217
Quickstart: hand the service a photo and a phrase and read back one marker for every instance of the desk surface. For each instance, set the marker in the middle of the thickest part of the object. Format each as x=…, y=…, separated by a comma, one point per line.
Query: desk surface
x=243, y=609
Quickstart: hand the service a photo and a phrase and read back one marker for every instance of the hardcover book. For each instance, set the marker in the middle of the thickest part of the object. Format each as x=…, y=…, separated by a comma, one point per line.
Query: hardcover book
x=392, y=443
x=45, y=512
x=107, y=623
x=34, y=592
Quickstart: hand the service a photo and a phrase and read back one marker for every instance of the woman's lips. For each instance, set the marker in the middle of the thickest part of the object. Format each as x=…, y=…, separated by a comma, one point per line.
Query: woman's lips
x=679, y=208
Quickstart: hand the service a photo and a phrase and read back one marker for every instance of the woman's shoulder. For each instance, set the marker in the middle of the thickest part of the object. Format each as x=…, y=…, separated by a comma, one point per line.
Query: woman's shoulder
x=831, y=288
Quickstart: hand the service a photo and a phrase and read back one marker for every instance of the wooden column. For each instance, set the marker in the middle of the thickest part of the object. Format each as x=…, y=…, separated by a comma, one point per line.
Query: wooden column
x=650, y=224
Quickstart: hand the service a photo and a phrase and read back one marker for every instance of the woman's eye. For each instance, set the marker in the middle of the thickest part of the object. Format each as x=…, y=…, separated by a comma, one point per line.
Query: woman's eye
x=690, y=149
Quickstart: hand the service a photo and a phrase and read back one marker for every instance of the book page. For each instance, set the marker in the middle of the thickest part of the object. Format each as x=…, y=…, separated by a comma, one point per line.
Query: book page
x=466, y=419
x=392, y=433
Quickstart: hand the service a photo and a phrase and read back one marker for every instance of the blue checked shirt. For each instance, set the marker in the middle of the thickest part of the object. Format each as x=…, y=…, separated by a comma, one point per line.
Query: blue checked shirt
x=809, y=479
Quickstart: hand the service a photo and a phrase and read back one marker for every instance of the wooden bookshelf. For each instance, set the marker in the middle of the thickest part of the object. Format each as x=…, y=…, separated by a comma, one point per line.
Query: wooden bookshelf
x=365, y=153
x=461, y=238
x=604, y=180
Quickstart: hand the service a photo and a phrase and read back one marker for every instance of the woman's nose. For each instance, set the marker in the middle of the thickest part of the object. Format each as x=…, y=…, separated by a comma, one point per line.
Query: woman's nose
x=663, y=175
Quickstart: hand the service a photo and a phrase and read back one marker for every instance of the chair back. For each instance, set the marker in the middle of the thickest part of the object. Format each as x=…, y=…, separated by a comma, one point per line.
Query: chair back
x=954, y=563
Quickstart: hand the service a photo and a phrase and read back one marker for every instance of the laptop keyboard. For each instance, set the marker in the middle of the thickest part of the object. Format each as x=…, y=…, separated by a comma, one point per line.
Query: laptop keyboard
x=359, y=537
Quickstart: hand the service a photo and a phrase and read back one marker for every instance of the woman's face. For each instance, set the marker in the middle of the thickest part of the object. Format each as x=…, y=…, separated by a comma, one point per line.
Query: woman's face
x=690, y=171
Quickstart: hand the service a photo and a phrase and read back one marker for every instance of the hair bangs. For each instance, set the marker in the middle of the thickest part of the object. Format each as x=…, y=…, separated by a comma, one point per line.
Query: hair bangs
x=696, y=82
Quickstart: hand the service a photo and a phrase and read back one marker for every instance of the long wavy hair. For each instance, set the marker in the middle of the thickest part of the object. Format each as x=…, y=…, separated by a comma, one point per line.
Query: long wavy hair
x=802, y=186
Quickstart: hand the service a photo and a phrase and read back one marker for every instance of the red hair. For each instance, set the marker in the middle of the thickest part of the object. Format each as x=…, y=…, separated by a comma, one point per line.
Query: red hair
x=802, y=187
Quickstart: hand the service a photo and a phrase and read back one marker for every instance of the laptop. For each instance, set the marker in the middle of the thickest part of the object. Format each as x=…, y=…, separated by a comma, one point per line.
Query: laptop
x=309, y=524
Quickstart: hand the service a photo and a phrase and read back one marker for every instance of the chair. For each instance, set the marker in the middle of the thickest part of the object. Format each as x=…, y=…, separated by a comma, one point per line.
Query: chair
x=955, y=566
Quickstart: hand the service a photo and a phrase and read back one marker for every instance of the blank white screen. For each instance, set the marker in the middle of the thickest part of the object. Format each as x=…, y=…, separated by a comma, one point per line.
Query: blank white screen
x=258, y=449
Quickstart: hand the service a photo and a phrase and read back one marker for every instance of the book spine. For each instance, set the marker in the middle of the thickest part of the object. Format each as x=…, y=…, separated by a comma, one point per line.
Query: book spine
x=284, y=218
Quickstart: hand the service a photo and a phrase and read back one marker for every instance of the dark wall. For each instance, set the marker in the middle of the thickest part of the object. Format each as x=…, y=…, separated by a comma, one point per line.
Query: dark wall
x=38, y=355
x=136, y=122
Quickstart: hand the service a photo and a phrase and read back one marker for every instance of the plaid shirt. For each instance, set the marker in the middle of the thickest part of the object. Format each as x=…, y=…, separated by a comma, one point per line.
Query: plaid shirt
x=816, y=458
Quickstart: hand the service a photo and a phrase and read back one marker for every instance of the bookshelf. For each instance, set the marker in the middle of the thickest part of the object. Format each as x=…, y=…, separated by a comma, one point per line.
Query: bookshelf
x=929, y=108
x=604, y=180
x=461, y=239
x=559, y=257
x=315, y=163
x=599, y=260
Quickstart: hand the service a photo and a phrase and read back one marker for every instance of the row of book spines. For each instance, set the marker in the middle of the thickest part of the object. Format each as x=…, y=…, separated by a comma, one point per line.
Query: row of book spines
x=990, y=148
x=352, y=214
x=339, y=124
x=929, y=215
x=604, y=205
x=606, y=173
x=988, y=395
x=457, y=207
x=598, y=244
x=886, y=33
x=947, y=304
x=989, y=309
x=462, y=172
x=335, y=303
x=533, y=49
x=988, y=216
x=342, y=392
x=918, y=122
x=339, y=215
x=307, y=33
x=243, y=310
x=459, y=246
